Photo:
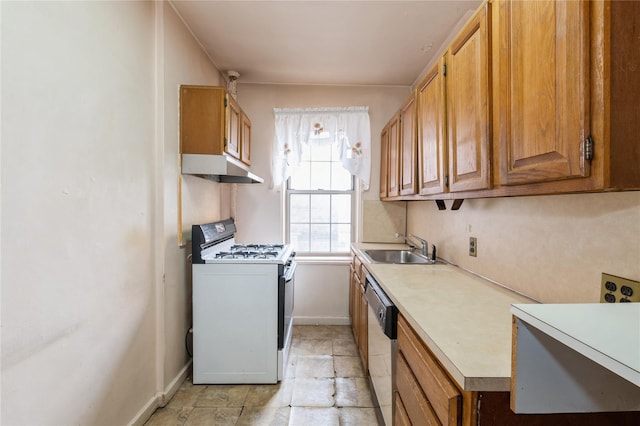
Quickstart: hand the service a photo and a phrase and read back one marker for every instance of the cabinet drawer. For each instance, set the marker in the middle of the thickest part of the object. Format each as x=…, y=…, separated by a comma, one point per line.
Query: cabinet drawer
x=357, y=267
x=442, y=394
x=416, y=405
x=400, y=417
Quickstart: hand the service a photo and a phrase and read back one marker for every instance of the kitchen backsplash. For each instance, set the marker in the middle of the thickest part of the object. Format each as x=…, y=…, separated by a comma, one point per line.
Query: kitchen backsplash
x=381, y=221
x=552, y=248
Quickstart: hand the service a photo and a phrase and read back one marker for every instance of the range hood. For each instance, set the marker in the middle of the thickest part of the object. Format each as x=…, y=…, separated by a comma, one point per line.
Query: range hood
x=218, y=168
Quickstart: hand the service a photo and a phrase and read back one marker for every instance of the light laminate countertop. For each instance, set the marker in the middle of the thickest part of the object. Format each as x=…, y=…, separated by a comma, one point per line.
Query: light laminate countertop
x=606, y=333
x=464, y=319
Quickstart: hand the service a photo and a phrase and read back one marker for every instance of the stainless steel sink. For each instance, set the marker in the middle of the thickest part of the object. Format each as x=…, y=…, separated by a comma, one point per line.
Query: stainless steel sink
x=398, y=256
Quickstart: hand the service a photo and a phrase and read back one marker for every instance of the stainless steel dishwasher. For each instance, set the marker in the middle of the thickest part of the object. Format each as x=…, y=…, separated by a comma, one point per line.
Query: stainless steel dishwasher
x=383, y=347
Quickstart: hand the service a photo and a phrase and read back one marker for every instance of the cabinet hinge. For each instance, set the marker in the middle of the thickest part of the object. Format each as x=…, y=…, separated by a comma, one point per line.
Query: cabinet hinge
x=446, y=180
x=444, y=69
x=225, y=102
x=225, y=141
x=588, y=148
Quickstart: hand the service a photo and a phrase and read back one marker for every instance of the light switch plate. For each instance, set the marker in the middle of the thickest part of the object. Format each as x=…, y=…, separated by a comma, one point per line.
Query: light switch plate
x=616, y=289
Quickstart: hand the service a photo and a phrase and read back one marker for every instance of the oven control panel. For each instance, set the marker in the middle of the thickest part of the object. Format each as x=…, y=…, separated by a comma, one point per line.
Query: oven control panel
x=619, y=290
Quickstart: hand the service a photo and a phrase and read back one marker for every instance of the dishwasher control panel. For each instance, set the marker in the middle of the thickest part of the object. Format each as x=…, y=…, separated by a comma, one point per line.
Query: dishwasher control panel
x=619, y=290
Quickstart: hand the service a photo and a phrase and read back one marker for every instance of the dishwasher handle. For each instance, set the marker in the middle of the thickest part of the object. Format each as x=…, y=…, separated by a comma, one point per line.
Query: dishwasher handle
x=385, y=311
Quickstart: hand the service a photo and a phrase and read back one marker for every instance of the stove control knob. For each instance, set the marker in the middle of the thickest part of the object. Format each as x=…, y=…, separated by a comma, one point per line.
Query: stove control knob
x=610, y=298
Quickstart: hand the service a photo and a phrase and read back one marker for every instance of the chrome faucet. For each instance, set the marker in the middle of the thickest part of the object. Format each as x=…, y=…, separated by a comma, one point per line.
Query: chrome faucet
x=423, y=243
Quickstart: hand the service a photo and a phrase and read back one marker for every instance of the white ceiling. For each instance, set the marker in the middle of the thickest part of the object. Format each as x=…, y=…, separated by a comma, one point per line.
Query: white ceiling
x=323, y=42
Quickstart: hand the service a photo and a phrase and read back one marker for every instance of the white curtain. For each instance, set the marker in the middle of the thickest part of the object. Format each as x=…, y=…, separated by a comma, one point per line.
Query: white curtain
x=348, y=127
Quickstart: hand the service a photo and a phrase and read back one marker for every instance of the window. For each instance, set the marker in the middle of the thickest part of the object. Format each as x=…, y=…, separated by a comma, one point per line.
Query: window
x=317, y=154
x=319, y=200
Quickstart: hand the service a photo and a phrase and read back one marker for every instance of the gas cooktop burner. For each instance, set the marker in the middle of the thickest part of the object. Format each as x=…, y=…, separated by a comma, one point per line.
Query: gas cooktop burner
x=257, y=247
x=215, y=243
x=246, y=254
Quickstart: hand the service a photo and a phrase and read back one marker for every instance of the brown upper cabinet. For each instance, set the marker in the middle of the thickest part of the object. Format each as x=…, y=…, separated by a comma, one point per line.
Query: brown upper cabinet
x=432, y=148
x=543, y=74
x=567, y=98
x=445, y=139
x=408, y=147
x=234, y=129
x=468, y=105
x=393, y=161
x=398, y=155
x=536, y=97
x=384, y=163
x=212, y=122
x=245, y=136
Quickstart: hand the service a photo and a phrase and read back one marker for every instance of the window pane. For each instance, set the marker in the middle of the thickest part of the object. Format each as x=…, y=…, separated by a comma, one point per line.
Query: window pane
x=319, y=238
x=340, y=238
x=300, y=177
x=299, y=235
x=320, y=222
x=335, y=152
x=299, y=208
x=305, y=153
x=341, y=209
x=321, y=151
x=320, y=208
x=320, y=175
x=341, y=179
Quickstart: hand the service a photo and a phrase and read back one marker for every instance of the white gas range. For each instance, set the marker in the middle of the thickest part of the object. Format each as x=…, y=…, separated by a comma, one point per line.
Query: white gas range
x=242, y=307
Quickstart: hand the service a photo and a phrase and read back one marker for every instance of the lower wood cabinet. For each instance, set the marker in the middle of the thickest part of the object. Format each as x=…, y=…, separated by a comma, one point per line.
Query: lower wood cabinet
x=425, y=389
x=358, y=308
x=411, y=396
x=400, y=416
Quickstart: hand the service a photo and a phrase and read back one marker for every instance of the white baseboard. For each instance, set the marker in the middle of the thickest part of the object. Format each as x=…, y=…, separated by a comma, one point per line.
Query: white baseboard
x=321, y=321
x=162, y=398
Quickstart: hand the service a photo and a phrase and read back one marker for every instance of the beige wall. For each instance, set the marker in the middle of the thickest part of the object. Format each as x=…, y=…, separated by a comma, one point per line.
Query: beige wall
x=199, y=200
x=552, y=248
x=95, y=290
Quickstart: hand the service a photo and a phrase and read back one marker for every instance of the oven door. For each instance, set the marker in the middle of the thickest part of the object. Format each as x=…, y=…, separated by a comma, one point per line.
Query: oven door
x=285, y=304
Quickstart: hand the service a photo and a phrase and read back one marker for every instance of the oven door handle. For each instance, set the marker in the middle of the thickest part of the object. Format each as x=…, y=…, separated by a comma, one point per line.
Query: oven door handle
x=290, y=270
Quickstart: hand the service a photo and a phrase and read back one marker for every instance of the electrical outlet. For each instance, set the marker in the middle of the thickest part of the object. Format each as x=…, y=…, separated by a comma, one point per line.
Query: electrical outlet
x=473, y=246
x=618, y=290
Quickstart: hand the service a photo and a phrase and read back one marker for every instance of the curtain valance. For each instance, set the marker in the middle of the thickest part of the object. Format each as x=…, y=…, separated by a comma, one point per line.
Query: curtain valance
x=296, y=128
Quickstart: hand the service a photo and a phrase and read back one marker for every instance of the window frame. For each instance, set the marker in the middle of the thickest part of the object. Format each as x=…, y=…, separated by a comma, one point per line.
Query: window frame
x=351, y=192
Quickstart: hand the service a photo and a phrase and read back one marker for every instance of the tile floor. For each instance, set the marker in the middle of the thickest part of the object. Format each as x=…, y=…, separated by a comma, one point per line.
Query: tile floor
x=324, y=384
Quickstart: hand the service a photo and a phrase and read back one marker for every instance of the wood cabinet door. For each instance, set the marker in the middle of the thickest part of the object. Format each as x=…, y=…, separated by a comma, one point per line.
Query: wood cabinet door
x=363, y=324
x=408, y=147
x=202, y=120
x=394, y=159
x=234, y=128
x=416, y=405
x=245, y=137
x=442, y=394
x=468, y=106
x=543, y=86
x=384, y=163
x=431, y=143
x=400, y=415
x=353, y=305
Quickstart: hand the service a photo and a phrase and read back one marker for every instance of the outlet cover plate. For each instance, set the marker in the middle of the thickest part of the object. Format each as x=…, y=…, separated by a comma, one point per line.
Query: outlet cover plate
x=473, y=246
x=616, y=289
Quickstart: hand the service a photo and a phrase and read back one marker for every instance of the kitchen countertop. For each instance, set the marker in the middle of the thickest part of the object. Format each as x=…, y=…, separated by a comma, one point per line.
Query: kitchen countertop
x=464, y=319
x=589, y=329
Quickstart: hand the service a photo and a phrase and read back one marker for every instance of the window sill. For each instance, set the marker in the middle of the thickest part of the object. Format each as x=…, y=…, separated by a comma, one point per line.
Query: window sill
x=323, y=260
